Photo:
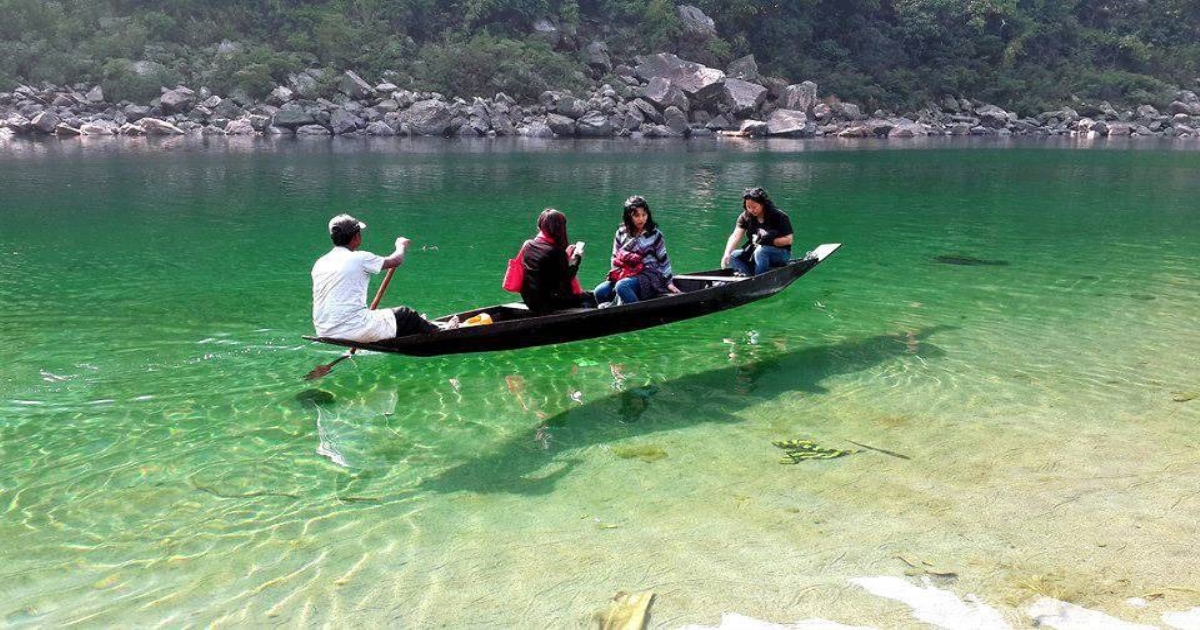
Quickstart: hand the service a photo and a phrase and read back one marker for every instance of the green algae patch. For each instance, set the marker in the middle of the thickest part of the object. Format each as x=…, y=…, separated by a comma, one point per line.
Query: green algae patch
x=648, y=453
x=796, y=451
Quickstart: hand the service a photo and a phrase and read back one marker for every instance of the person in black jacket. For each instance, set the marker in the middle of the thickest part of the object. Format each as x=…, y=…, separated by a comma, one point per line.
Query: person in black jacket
x=769, y=235
x=550, y=267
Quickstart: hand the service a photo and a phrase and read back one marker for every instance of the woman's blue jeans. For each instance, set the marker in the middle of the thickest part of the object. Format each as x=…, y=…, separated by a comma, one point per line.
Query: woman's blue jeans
x=765, y=257
x=625, y=288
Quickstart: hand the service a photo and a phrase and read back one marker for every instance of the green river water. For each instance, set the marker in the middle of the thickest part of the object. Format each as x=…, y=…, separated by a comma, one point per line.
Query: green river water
x=162, y=462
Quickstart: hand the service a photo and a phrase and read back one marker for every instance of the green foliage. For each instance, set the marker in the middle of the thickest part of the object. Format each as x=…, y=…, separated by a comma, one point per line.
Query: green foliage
x=255, y=70
x=122, y=81
x=893, y=53
x=485, y=65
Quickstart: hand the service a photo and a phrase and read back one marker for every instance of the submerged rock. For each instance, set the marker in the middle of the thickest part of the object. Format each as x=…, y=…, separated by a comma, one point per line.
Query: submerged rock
x=318, y=397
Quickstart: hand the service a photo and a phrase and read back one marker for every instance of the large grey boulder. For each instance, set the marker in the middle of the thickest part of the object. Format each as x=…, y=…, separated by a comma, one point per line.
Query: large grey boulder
x=1184, y=107
x=430, y=117
x=908, y=129
x=677, y=121
x=305, y=84
x=100, y=128
x=292, y=115
x=387, y=106
x=312, y=130
x=742, y=98
x=380, y=128
x=343, y=122
x=695, y=22
x=1147, y=112
x=227, y=108
x=130, y=129
x=18, y=124
x=177, y=101
x=648, y=111
x=158, y=127
x=63, y=129
x=993, y=116
x=790, y=123
x=45, y=122
x=1064, y=115
x=663, y=93
x=502, y=124
x=659, y=131
x=844, y=111
x=353, y=86
x=240, y=127
x=596, y=57
x=536, y=129
x=560, y=125
x=570, y=107
x=594, y=124
x=546, y=30
x=801, y=96
x=626, y=121
x=754, y=128
x=745, y=68
x=698, y=82
x=280, y=95
x=95, y=96
x=721, y=123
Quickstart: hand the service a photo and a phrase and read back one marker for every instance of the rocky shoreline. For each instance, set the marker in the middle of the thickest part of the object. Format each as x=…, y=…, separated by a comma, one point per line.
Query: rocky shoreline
x=661, y=96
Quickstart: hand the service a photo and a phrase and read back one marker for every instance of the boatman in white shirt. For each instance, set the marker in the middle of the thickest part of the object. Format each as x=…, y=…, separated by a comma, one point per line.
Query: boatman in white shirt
x=340, y=289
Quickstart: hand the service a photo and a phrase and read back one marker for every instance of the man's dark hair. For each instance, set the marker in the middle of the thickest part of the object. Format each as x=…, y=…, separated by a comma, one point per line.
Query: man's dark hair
x=342, y=233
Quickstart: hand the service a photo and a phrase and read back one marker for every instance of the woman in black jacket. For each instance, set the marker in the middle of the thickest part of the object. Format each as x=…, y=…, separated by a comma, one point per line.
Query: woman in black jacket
x=550, y=268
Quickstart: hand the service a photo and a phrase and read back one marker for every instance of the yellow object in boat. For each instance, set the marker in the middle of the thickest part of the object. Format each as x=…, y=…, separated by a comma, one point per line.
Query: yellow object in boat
x=482, y=319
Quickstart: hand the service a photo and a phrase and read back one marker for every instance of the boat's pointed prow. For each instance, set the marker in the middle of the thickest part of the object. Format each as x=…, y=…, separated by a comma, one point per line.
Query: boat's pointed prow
x=824, y=251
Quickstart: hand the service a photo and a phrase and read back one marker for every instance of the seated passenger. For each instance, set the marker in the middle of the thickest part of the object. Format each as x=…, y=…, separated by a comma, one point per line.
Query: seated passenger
x=769, y=232
x=550, y=267
x=640, y=266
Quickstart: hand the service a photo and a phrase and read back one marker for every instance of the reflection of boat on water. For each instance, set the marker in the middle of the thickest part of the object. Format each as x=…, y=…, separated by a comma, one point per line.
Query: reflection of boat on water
x=514, y=326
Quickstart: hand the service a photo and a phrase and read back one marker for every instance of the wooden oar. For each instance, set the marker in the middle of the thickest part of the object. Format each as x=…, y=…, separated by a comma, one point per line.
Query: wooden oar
x=322, y=370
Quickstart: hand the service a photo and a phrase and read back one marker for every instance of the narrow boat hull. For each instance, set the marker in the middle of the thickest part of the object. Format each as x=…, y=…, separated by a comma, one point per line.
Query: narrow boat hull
x=514, y=327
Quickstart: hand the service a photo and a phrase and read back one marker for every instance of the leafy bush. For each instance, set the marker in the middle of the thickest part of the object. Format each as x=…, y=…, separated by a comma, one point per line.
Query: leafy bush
x=255, y=70
x=485, y=65
x=122, y=81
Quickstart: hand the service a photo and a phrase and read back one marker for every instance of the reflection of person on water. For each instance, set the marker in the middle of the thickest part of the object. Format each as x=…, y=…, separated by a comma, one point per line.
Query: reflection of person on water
x=551, y=267
x=640, y=266
x=340, y=280
x=769, y=236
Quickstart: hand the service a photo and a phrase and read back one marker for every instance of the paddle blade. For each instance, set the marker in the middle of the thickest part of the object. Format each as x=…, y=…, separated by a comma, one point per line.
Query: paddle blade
x=322, y=370
x=318, y=372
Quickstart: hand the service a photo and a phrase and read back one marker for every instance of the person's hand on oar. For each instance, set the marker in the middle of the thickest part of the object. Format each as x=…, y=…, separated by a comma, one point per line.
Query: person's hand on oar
x=322, y=370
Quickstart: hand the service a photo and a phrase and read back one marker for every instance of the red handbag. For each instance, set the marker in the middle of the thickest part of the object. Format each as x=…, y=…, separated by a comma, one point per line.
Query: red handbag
x=514, y=276
x=625, y=265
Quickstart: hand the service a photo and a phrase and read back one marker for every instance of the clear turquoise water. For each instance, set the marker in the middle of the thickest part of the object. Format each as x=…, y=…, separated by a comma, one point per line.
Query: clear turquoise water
x=163, y=462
